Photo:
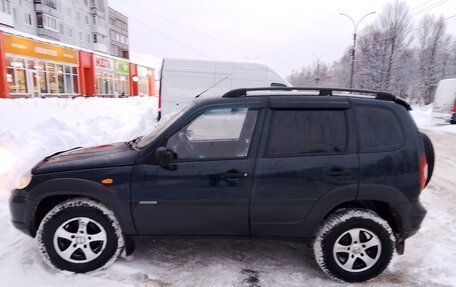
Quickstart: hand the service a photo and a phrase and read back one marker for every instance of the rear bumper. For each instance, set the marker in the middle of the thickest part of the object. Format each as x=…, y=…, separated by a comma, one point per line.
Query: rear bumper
x=412, y=215
x=453, y=119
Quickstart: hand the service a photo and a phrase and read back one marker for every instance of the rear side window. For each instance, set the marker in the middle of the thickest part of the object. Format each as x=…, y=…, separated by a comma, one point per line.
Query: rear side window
x=378, y=129
x=301, y=132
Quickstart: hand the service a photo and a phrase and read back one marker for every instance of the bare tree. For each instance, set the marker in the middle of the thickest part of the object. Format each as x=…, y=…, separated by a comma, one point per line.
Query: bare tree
x=431, y=53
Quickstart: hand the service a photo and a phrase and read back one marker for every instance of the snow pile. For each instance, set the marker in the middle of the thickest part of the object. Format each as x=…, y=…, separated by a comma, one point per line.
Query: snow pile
x=424, y=120
x=34, y=128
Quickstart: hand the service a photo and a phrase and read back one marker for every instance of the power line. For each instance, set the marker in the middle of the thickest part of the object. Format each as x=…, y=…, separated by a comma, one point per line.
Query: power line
x=429, y=8
x=290, y=65
x=420, y=5
x=172, y=39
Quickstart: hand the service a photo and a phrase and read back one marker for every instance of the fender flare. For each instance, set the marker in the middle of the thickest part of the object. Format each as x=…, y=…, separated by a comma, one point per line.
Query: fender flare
x=85, y=188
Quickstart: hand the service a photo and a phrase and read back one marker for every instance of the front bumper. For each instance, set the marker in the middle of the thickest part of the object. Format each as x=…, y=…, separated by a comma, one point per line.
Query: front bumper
x=21, y=209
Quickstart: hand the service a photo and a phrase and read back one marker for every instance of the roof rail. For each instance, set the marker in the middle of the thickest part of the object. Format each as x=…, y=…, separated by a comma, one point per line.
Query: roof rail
x=385, y=96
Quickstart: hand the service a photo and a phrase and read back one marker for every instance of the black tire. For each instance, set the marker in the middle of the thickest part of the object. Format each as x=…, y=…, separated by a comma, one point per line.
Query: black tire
x=430, y=156
x=80, y=235
x=334, y=245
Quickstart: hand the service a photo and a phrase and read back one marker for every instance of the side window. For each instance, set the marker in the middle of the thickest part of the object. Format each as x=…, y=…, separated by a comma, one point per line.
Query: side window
x=378, y=129
x=300, y=132
x=218, y=133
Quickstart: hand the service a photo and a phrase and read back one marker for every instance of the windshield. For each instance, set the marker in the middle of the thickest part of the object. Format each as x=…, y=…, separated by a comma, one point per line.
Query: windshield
x=162, y=125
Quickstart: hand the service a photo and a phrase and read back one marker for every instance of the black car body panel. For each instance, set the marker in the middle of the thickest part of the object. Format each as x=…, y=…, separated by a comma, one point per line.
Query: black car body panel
x=253, y=195
x=118, y=154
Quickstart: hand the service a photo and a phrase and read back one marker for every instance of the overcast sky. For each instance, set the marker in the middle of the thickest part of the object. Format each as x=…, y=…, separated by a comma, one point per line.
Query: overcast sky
x=286, y=35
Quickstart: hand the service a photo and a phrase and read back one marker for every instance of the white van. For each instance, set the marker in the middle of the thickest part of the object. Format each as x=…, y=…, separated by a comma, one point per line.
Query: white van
x=182, y=80
x=445, y=101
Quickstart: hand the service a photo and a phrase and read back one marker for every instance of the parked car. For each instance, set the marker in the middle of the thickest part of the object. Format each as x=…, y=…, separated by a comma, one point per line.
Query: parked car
x=444, y=107
x=181, y=80
x=453, y=116
x=343, y=169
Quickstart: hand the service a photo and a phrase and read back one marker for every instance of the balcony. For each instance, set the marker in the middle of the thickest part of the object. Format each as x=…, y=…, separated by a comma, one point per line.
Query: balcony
x=50, y=34
x=97, y=12
x=46, y=6
x=6, y=19
x=100, y=47
x=100, y=30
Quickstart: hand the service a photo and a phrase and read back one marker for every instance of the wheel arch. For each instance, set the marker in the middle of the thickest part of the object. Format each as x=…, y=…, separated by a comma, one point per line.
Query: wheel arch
x=50, y=193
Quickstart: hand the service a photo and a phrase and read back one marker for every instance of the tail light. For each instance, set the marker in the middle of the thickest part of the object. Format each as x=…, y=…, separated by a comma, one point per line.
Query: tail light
x=454, y=108
x=423, y=171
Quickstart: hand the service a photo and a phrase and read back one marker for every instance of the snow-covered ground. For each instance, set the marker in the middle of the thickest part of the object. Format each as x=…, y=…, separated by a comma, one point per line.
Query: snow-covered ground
x=31, y=129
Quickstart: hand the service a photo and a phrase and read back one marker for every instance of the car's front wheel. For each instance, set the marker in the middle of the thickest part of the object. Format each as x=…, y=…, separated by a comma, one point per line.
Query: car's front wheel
x=354, y=245
x=80, y=235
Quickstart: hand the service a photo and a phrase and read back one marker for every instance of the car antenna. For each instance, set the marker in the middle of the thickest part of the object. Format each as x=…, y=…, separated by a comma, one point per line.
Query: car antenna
x=197, y=96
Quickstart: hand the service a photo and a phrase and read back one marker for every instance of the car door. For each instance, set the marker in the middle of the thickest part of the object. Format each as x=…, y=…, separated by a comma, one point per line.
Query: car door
x=307, y=151
x=206, y=189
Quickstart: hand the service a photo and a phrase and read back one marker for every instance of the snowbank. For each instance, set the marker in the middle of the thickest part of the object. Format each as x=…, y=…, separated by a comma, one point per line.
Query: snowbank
x=31, y=129
x=423, y=118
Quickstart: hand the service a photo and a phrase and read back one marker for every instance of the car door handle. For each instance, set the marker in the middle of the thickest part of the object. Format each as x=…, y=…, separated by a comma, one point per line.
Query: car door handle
x=338, y=172
x=234, y=174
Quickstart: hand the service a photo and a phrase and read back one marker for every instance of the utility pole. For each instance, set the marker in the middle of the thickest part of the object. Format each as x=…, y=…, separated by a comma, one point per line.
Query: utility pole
x=352, y=52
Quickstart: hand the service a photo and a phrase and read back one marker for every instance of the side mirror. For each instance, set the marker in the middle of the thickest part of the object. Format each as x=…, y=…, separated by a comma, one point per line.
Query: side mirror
x=164, y=156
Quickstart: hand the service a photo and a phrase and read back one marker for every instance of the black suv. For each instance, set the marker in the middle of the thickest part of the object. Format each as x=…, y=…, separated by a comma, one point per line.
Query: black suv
x=342, y=169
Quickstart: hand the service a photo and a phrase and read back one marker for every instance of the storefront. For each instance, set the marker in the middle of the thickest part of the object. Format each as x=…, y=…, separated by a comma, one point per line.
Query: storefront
x=35, y=68
x=145, y=77
x=112, y=77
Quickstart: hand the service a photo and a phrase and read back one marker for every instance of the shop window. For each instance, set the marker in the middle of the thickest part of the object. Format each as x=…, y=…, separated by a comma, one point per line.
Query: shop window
x=75, y=84
x=43, y=82
x=21, y=81
x=11, y=79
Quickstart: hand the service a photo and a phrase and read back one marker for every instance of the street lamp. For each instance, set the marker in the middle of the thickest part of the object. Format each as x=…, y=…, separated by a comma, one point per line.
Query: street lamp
x=355, y=26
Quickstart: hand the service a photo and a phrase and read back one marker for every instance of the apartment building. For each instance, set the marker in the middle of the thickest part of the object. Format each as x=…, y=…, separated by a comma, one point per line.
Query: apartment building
x=90, y=24
x=118, y=33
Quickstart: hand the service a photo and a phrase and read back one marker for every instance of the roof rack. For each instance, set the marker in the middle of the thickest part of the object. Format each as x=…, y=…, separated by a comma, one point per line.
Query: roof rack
x=385, y=96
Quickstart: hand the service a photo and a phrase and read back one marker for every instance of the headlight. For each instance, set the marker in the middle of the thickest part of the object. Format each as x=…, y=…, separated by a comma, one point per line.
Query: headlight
x=24, y=181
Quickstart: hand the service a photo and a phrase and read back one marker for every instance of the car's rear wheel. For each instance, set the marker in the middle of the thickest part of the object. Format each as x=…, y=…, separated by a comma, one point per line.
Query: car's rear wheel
x=80, y=235
x=354, y=245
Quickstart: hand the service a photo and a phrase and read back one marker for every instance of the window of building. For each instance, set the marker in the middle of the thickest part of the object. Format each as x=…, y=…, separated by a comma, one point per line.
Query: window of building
x=105, y=83
x=87, y=19
x=28, y=19
x=218, y=133
x=88, y=38
x=5, y=6
x=69, y=12
x=15, y=75
x=378, y=128
x=61, y=29
x=14, y=14
x=70, y=32
x=78, y=16
x=46, y=21
x=95, y=37
x=301, y=132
